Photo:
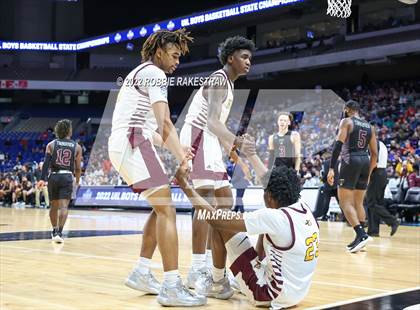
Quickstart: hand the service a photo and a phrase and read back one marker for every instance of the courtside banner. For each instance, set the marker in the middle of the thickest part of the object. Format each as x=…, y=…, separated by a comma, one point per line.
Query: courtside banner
x=13, y=84
x=123, y=196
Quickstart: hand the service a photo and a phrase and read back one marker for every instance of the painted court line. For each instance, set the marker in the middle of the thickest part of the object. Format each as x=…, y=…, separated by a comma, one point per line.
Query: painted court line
x=349, y=301
x=87, y=256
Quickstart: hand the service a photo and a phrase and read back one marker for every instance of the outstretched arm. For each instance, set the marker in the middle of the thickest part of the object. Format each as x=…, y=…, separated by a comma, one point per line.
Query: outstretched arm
x=249, y=149
x=219, y=219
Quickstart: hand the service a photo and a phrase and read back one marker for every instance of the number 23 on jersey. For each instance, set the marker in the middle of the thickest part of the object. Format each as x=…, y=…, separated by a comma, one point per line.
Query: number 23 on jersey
x=312, y=250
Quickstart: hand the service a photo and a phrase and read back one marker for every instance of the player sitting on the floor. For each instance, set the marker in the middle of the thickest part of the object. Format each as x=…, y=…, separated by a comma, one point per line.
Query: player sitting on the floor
x=279, y=270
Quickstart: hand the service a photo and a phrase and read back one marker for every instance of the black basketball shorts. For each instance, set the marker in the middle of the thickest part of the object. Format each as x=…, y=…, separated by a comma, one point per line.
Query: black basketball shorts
x=355, y=173
x=60, y=186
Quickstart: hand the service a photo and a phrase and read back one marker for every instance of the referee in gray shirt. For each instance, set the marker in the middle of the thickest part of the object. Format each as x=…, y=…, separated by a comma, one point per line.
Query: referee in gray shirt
x=375, y=196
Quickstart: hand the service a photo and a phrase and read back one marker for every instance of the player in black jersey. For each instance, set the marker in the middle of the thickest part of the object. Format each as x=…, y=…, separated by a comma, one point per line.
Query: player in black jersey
x=63, y=157
x=284, y=146
x=355, y=137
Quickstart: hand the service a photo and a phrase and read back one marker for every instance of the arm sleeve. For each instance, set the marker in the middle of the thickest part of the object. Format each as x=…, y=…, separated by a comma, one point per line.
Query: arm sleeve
x=266, y=221
x=335, y=153
x=46, y=166
x=158, y=87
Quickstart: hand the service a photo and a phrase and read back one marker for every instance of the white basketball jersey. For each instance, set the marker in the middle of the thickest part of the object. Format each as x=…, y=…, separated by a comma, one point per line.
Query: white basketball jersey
x=142, y=87
x=292, y=267
x=198, y=111
x=291, y=237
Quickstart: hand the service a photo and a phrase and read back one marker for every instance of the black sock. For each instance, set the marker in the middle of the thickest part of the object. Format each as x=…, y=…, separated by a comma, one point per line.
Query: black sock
x=359, y=230
x=363, y=223
x=60, y=230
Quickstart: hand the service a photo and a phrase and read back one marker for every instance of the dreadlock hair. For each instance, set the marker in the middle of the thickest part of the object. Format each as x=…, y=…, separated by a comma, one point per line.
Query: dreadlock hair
x=233, y=44
x=160, y=38
x=62, y=128
x=283, y=184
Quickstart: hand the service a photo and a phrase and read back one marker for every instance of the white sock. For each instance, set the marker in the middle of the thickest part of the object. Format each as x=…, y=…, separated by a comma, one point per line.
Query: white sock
x=143, y=265
x=209, y=259
x=218, y=274
x=198, y=261
x=171, y=277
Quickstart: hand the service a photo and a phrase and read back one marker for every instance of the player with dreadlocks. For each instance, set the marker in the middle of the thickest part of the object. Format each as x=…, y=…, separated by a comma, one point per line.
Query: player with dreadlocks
x=141, y=119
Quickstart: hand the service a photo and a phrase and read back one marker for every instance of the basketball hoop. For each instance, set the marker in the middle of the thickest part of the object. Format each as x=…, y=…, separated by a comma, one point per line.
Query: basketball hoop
x=339, y=8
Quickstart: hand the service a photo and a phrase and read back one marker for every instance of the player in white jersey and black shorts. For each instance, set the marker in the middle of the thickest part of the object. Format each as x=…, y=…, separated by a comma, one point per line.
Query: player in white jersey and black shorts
x=278, y=272
x=141, y=119
x=63, y=158
x=206, y=132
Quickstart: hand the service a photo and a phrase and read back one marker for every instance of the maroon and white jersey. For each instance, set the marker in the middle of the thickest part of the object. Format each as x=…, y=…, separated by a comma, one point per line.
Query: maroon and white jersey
x=291, y=237
x=143, y=86
x=198, y=111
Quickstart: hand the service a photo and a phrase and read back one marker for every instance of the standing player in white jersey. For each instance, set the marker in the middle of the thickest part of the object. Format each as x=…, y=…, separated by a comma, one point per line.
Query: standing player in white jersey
x=278, y=272
x=205, y=131
x=141, y=110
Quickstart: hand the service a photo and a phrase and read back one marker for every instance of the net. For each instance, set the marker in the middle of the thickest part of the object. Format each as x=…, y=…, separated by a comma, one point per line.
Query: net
x=339, y=8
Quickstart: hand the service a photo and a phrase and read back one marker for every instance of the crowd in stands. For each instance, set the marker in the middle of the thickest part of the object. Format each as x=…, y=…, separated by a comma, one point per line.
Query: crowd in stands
x=19, y=187
x=393, y=106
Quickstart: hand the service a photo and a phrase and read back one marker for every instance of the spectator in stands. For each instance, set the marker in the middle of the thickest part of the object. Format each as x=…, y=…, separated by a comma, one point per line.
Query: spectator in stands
x=2, y=186
x=7, y=190
x=404, y=168
x=414, y=177
x=106, y=166
x=40, y=189
x=408, y=149
x=312, y=179
x=28, y=192
x=13, y=188
x=24, y=172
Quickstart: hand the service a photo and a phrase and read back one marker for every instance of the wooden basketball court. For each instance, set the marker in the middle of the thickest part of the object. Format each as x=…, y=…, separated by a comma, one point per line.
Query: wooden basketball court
x=88, y=271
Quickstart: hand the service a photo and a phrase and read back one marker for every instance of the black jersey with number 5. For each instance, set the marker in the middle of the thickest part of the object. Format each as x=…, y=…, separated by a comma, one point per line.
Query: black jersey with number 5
x=357, y=142
x=63, y=155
